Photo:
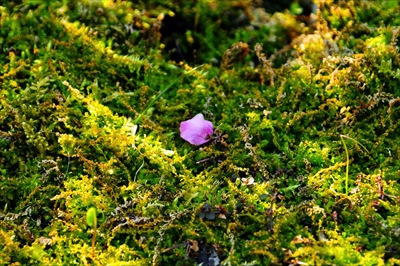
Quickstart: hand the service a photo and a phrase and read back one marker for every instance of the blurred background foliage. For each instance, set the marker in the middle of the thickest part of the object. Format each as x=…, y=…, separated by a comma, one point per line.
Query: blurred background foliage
x=282, y=82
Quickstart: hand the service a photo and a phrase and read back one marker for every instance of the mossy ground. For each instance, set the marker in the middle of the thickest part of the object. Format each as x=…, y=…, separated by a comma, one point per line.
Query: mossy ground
x=287, y=94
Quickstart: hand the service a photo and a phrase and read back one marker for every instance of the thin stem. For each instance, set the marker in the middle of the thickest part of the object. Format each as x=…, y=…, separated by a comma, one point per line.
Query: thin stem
x=347, y=137
x=94, y=236
x=161, y=94
x=134, y=179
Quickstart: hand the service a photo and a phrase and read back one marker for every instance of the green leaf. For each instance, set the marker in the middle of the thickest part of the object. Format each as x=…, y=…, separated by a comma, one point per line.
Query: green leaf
x=91, y=218
x=289, y=188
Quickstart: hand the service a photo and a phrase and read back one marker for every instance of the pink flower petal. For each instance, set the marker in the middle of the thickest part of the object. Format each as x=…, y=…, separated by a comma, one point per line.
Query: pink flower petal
x=196, y=130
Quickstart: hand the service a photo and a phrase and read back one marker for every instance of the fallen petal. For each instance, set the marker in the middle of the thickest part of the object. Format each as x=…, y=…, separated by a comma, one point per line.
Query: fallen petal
x=196, y=131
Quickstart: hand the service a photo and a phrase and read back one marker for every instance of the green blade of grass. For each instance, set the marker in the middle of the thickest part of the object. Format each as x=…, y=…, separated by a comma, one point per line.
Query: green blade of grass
x=162, y=92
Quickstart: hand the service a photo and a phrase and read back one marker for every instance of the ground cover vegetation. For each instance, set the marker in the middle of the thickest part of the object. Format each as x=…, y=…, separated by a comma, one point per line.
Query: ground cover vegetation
x=302, y=168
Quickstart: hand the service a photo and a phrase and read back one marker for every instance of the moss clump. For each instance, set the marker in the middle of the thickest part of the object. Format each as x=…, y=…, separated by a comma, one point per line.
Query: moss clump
x=271, y=188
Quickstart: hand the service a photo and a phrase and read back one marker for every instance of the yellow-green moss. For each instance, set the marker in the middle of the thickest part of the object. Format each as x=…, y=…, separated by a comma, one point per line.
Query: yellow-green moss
x=281, y=89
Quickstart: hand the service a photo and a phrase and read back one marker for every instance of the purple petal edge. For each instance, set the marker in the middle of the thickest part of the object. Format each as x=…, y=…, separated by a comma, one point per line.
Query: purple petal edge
x=196, y=130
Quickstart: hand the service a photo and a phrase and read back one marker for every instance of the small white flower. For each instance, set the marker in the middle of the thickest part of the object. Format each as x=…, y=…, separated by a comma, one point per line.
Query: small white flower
x=248, y=181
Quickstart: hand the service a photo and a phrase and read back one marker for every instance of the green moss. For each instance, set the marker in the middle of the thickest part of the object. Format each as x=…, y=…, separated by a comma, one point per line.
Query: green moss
x=271, y=189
